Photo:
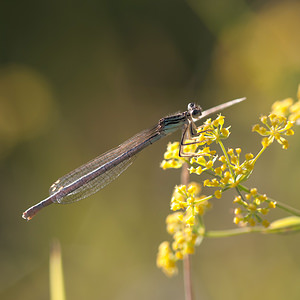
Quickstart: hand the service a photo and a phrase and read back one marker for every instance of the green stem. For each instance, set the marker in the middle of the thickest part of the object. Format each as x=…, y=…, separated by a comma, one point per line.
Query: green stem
x=204, y=199
x=227, y=157
x=259, y=154
x=232, y=232
x=280, y=205
x=285, y=207
x=289, y=224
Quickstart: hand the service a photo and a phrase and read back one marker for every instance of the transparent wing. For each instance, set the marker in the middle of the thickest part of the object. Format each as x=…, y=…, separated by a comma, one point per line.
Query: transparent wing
x=98, y=183
x=102, y=180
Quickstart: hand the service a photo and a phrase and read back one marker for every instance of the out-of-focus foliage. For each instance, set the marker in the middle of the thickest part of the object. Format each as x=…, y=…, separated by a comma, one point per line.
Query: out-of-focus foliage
x=26, y=104
x=57, y=287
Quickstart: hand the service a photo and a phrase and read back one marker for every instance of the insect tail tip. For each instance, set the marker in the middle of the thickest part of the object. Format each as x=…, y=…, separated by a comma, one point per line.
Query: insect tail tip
x=26, y=216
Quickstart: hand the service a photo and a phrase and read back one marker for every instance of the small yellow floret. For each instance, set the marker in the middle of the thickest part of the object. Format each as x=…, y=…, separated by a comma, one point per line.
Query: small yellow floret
x=236, y=220
x=285, y=143
x=225, y=132
x=238, y=150
x=249, y=156
x=252, y=207
x=255, y=127
x=265, y=223
x=289, y=132
x=234, y=159
x=194, y=188
x=230, y=151
x=264, y=119
x=166, y=260
x=222, y=159
x=251, y=222
x=263, y=197
x=237, y=199
x=209, y=164
x=248, y=196
x=220, y=120
x=266, y=142
x=206, y=182
x=218, y=194
x=181, y=188
x=237, y=211
x=282, y=107
x=199, y=170
x=179, y=255
x=190, y=220
x=218, y=171
x=223, y=167
x=264, y=211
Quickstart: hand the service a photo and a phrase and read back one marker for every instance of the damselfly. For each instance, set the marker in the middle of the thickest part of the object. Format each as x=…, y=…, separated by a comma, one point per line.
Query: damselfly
x=97, y=173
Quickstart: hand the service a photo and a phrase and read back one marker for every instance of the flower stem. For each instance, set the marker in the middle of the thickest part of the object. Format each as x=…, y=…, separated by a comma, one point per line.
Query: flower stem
x=188, y=289
x=280, y=205
x=232, y=232
x=227, y=158
x=259, y=154
x=286, y=207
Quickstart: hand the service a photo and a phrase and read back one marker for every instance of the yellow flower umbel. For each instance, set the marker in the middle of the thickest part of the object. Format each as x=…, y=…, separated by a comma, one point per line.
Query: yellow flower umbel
x=213, y=131
x=279, y=122
x=253, y=208
x=183, y=225
x=287, y=108
x=172, y=160
x=166, y=259
x=275, y=127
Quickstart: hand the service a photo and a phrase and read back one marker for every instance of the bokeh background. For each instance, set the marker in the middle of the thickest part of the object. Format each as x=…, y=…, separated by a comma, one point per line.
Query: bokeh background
x=78, y=78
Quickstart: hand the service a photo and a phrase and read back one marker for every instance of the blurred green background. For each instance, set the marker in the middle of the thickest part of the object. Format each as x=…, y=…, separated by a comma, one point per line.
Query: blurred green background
x=78, y=78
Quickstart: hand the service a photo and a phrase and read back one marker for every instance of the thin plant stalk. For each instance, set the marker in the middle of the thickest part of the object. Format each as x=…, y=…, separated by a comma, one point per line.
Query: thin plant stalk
x=188, y=288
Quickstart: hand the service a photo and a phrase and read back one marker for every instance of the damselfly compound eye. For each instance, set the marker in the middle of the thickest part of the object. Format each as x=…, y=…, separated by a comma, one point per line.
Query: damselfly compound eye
x=194, y=110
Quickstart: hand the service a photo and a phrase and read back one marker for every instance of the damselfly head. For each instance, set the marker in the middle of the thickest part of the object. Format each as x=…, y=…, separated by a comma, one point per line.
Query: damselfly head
x=194, y=110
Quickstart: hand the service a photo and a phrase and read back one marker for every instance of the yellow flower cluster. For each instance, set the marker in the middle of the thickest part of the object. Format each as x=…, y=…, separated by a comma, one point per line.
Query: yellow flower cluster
x=231, y=171
x=275, y=127
x=279, y=122
x=203, y=162
x=213, y=131
x=166, y=259
x=183, y=226
x=252, y=207
x=172, y=158
x=187, y=198
x=287, y=108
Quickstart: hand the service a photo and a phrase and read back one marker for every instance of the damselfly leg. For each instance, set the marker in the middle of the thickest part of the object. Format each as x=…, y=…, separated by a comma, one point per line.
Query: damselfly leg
x=191, y=134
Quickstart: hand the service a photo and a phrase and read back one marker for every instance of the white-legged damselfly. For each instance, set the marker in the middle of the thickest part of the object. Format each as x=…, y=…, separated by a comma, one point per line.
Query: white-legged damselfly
x=97, y=173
